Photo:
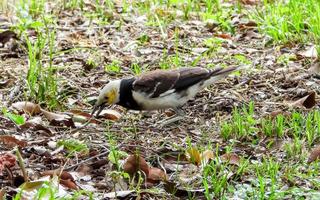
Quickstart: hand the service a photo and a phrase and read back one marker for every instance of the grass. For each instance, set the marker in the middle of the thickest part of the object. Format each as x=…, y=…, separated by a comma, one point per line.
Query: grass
x=244, y=126
x=266, y=176
x=293, y=20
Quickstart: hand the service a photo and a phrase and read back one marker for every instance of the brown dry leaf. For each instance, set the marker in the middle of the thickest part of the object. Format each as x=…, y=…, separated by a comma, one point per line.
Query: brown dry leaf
x=275, y=113
x=231, y=158
x=58, y=119
x=314, y=155
x=156, y=174
x=135, y=163
x=63, y=175
x=193, y=155
x=66, y=179
x=80, y=116
x=11, y=141
x=310, y=52
x=5, y=36
x=69, y=184
x=98, y=164
x=28, y=107
x=5, y=83
x=315, y=68
x=35, y=127
x=110, y=114
x=206, y=156
x=308, y=101
x=7, y=160
x=224, y=36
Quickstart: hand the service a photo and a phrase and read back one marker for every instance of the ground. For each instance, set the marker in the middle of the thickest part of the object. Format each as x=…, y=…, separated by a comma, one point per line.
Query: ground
x=253, y=135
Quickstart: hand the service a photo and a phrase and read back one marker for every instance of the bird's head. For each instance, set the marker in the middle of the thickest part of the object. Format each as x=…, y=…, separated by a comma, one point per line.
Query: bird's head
x=109, y=95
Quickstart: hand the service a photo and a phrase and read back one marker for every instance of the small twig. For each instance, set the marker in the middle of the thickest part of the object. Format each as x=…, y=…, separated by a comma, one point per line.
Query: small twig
x=89, y=159
x=83, y=126
x=21, y=164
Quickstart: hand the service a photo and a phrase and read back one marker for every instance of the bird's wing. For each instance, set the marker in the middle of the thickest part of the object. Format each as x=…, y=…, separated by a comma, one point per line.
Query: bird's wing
x=162, y=82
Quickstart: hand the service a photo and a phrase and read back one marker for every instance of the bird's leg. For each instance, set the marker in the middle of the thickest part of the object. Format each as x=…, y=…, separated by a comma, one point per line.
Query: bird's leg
x=177, y=117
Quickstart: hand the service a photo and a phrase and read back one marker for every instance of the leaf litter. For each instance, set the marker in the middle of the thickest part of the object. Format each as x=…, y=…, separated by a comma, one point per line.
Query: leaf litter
x=93, y=54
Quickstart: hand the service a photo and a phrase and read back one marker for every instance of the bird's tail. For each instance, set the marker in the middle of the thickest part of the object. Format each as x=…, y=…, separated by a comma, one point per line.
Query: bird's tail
x=219, y=73
x=222, y=71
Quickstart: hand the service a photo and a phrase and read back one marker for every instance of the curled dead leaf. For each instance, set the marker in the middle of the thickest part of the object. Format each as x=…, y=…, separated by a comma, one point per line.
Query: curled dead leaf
x=156, y=174
x=5, y=36
x=308, y=101
x=27, y=107
x=11, y=141
x=110, y=114
x=314, y=155
x=82, y=117
x=135, y=163
x=231, y=158
x=58, y=119
x=69, y=184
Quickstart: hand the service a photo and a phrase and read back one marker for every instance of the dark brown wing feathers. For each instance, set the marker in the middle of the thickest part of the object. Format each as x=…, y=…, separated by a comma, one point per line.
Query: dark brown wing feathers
x=158, y=82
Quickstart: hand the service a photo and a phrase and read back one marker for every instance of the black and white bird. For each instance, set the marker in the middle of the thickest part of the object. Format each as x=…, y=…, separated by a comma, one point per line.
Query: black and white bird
x=159, y=89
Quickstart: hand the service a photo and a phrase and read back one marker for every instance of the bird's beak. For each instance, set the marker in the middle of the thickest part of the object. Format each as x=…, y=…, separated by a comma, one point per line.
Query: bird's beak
x=99, y=108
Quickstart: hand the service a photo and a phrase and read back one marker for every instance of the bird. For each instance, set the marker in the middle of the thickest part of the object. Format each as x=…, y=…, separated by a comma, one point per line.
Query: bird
x=159, y=89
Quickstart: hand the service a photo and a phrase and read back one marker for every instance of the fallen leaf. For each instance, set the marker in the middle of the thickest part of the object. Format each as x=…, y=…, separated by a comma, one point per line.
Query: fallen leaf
x=193, y=155
x=63, y=175
x=68, y=184
x=206, y=156
x=110, y=114
x=315, y=68
x=5, y=83
x=135, y=163
x=58, y=119
x=310, y=52
x=98, y=164
x=231, y=158
x=7, y=160
x=11, y=141
x=27, y=107
x=172, y=188
x=314, y=155
x=5, y=36
x=118, y=194
x=275, y=113
x=35, y=127
x=80, y=116
x=156, y=175
x=224, y=36
x=66, y=179
x=308, y=101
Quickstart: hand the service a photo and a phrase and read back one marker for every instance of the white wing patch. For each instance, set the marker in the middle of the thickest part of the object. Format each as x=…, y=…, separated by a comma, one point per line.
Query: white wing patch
x=167, y=93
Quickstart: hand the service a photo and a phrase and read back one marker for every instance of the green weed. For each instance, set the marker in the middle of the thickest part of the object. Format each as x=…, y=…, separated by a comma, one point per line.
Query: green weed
x=293, y=20
x=74, y=146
